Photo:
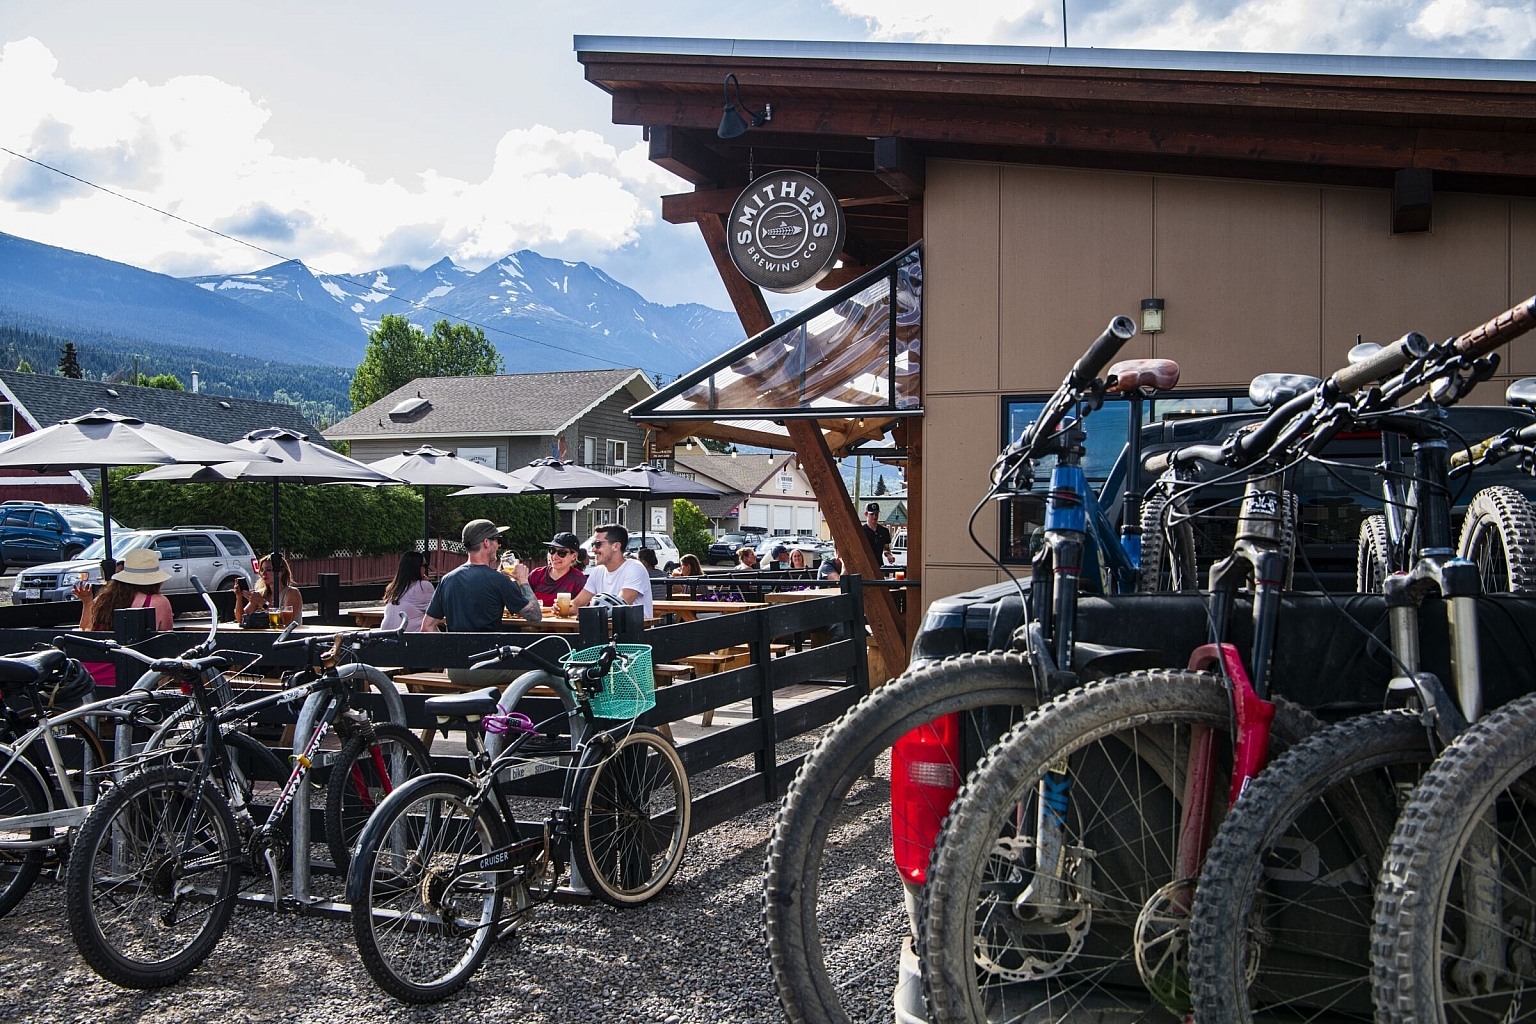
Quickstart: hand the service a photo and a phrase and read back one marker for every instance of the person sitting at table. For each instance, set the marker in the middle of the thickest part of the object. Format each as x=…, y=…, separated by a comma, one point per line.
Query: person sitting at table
x=779, y=559
x=689, y=567
x=135, y=585
x=470, y=598
x=797, y=559
x=746, y=559
x=831, y=569
x=647, y=558
x=612, y=573
x=274, y=589
x=408, y=594
x=560, y=576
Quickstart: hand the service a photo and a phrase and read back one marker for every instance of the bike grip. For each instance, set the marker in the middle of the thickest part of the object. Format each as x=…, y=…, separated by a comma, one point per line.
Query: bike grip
x=85, y=641
x=494, y=652
x=1385, y=361
x=1120, y=330
x=1507, y=326
x=1158, y=464
x=1526, y=435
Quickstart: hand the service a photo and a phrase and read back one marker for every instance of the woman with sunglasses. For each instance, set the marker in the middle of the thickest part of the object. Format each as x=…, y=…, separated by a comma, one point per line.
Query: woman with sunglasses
x=560, y=575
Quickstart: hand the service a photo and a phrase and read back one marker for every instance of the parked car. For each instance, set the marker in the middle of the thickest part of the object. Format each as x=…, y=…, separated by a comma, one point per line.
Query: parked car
x=668, y=557
x=32, y=532
x=214, y=554
x=899, y=550
x=723, y=550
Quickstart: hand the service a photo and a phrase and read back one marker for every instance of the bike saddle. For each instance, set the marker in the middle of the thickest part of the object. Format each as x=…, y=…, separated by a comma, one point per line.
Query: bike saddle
x=1522, y=393
x=1269, y=390
x=476, y=704
x=1152, y=374
x=25, y=669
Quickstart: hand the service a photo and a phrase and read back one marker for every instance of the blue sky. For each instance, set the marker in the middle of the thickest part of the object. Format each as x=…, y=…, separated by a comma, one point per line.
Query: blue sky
x=353, y=135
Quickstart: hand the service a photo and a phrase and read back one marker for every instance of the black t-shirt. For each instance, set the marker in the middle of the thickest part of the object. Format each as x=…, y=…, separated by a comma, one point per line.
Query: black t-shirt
x=879, y=538
x=471, y=597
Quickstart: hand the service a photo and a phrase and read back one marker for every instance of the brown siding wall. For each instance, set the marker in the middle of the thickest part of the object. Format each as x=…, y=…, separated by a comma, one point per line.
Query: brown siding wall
x=1025, y=265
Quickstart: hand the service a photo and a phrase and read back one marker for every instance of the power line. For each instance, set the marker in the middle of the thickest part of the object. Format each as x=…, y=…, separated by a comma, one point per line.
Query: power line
x=291, y=259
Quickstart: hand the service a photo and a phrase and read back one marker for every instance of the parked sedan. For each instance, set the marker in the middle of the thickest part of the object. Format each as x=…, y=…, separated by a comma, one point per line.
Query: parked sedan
x=213, y=554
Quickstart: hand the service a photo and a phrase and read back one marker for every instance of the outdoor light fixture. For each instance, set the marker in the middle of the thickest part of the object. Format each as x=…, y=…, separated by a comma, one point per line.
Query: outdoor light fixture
x=1151, y=316
x=732, y=124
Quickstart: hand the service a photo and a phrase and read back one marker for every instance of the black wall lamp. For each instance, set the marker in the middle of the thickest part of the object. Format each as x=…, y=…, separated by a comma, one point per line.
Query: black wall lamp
x=732, y=124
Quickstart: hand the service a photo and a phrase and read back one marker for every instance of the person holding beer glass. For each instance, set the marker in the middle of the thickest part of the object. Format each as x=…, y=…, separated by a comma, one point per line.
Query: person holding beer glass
x=275, y=595
x=560, y=577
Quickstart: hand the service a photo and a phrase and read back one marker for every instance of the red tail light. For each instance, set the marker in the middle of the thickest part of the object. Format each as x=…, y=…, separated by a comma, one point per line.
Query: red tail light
x=925, y=776
x=255, y=568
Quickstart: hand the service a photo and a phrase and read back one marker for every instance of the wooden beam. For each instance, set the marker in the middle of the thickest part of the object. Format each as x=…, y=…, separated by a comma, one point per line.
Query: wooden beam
x=677, y=151
x=909, y=434
x=839, y=276
x=848, y=534
x=900, y=164
x=851, y=190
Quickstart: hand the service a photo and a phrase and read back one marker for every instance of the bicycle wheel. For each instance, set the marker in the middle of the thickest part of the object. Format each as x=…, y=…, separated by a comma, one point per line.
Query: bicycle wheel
x=837, y=925
x=20, y=794
x=1167, y=546
x=1281, y=923
x=632, y=818
x=422, y=929
x=1452, y=936
x=1373, y=556
x=362, y=775
x=1102, y=937
x=1499, y=537
x=152, y=878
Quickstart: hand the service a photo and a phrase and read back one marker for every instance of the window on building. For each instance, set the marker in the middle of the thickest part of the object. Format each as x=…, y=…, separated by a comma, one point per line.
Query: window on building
x=1021, y=519
x=598, y=517
x=618, y=453
x=589, y=451
x=7, y=421
x=757, y=515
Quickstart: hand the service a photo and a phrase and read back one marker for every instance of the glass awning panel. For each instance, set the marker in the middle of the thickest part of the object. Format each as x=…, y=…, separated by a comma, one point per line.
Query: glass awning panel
x=857, y=352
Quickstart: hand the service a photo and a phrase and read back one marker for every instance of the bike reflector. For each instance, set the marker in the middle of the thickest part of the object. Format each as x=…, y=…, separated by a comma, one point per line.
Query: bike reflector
x=925, y=776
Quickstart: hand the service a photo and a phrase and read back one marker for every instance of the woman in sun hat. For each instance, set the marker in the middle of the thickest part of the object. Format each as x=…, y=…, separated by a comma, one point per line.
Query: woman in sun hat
x=135, y=585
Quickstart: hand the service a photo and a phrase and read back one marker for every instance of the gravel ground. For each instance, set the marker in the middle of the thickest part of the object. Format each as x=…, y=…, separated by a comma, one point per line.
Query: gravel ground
x=694, y=954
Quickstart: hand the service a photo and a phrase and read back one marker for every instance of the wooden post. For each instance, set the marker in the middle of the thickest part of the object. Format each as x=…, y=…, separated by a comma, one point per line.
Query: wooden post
x=766, y=757
x=911, y=433
x=131, y=626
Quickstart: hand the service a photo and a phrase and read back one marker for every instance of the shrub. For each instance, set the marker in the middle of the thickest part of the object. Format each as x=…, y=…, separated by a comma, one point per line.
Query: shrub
x=690, y=528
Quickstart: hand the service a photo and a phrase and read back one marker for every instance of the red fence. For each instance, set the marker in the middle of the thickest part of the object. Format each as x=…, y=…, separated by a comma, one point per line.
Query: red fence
x=365, y=568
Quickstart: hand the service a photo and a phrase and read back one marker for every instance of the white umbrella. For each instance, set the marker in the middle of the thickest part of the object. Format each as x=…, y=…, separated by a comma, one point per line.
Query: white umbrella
x=101, y=439
x=298, y=460
x=431, y=467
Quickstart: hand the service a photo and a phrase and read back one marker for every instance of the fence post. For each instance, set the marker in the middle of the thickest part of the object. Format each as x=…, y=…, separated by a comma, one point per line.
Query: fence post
x=592, y=626
x=329, y=600
x=767, y=755
x=629, y=624
x=858, y=675
x=130, y=626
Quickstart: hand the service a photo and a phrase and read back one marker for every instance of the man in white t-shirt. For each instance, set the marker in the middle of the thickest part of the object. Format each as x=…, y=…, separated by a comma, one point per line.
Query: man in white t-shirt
x=612, y=573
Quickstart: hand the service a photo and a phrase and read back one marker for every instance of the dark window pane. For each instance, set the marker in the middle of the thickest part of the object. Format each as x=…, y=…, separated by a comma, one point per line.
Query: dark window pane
x=234, y=544
x=169, y=547
x=196, y=545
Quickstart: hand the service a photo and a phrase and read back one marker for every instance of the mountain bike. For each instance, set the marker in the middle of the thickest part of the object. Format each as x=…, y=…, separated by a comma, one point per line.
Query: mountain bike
x=157, y=864
x=1061, y=883
x=944, y=713
x=444, y=866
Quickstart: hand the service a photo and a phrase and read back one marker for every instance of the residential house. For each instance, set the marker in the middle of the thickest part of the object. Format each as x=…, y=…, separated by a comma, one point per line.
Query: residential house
x=769, y=492
x=30, y=401
x=507, y=420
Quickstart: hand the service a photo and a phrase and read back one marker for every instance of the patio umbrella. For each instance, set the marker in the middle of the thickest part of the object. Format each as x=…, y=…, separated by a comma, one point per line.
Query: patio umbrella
x=431, y=467
x=299, y=461
x=101, y=439
x=552, y=477
x=647, y=482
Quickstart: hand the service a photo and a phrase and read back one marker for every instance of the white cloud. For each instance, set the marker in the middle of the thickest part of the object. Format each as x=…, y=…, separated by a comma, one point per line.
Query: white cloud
x=194, y=146
x=1469, y=28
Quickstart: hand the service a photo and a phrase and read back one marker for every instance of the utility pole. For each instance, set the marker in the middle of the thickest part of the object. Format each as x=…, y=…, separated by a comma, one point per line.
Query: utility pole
x=1063, y=24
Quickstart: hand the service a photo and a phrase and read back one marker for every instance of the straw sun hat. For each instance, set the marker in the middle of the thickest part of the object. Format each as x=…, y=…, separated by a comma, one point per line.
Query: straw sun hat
x=141, y=567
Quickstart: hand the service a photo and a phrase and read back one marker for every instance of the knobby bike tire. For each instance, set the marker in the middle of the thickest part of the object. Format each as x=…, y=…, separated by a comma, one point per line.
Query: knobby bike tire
x=814, y=809
x=355, y=787
x=632, y=818
x=1373, y=556
x=1451, y=940
x=1167, y=548
x=1120, y=736
x=123, y=862
x=412, y=940
x=20, y=794
x=1280, y=927
x=1498, y=535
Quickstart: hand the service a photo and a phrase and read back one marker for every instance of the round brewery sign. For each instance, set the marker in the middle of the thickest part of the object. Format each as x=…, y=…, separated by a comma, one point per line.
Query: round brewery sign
x=786, y=231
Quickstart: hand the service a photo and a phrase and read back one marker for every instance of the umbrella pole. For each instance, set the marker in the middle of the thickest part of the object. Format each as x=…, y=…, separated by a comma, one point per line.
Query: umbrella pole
x=554, y=516
x=644, y=519
x=426, y=522
x=275, y=493
x=108, y=563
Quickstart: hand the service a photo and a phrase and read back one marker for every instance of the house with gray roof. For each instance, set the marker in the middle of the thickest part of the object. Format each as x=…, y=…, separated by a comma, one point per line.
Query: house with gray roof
x=30, y=401
x=507, y=420
x=765, y=491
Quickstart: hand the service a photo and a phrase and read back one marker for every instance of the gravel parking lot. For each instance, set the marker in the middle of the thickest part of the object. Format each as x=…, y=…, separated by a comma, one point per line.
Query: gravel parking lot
x=692, y=956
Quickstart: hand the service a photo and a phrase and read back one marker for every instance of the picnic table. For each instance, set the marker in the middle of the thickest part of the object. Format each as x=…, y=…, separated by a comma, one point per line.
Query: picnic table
x=689, y=611
x=372, y=615
x=790, y=596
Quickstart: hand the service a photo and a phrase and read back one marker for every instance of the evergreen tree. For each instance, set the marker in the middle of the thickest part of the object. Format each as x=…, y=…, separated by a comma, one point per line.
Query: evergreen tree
x=879, y=486
x=69, y=362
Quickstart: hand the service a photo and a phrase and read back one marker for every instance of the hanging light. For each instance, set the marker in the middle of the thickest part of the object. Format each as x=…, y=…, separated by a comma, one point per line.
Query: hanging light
x=689, y=445
x=733, y=453
x=732, y=124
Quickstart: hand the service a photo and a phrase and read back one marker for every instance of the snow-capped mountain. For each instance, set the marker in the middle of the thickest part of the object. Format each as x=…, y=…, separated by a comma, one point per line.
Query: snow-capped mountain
x=542, y=313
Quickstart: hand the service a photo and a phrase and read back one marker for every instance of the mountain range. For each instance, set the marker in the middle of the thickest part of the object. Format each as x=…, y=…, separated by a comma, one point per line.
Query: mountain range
x=541, y=313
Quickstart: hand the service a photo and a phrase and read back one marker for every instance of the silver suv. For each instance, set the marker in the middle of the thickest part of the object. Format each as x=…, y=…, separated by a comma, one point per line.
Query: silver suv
x=214, y=554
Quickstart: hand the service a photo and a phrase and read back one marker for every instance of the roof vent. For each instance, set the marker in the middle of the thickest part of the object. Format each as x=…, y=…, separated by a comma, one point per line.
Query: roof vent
x=410, y=409
x=112, y=392
x=224, y=405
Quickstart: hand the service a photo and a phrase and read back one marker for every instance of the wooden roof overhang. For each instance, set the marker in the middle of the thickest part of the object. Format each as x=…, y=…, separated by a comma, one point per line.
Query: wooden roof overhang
x=867, y=121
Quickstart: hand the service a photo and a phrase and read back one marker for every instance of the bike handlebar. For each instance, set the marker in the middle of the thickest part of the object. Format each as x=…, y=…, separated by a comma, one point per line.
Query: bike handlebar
x=1384, y=362
x=1505, y=327
x=1120, y=330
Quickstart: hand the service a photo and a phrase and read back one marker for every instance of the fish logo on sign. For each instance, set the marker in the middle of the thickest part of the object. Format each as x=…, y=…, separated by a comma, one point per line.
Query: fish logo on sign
x=786, y=231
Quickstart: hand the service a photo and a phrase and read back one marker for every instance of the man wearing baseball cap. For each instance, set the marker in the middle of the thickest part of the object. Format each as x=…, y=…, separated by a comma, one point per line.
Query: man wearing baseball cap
x=879, y=536
x=471, y=597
